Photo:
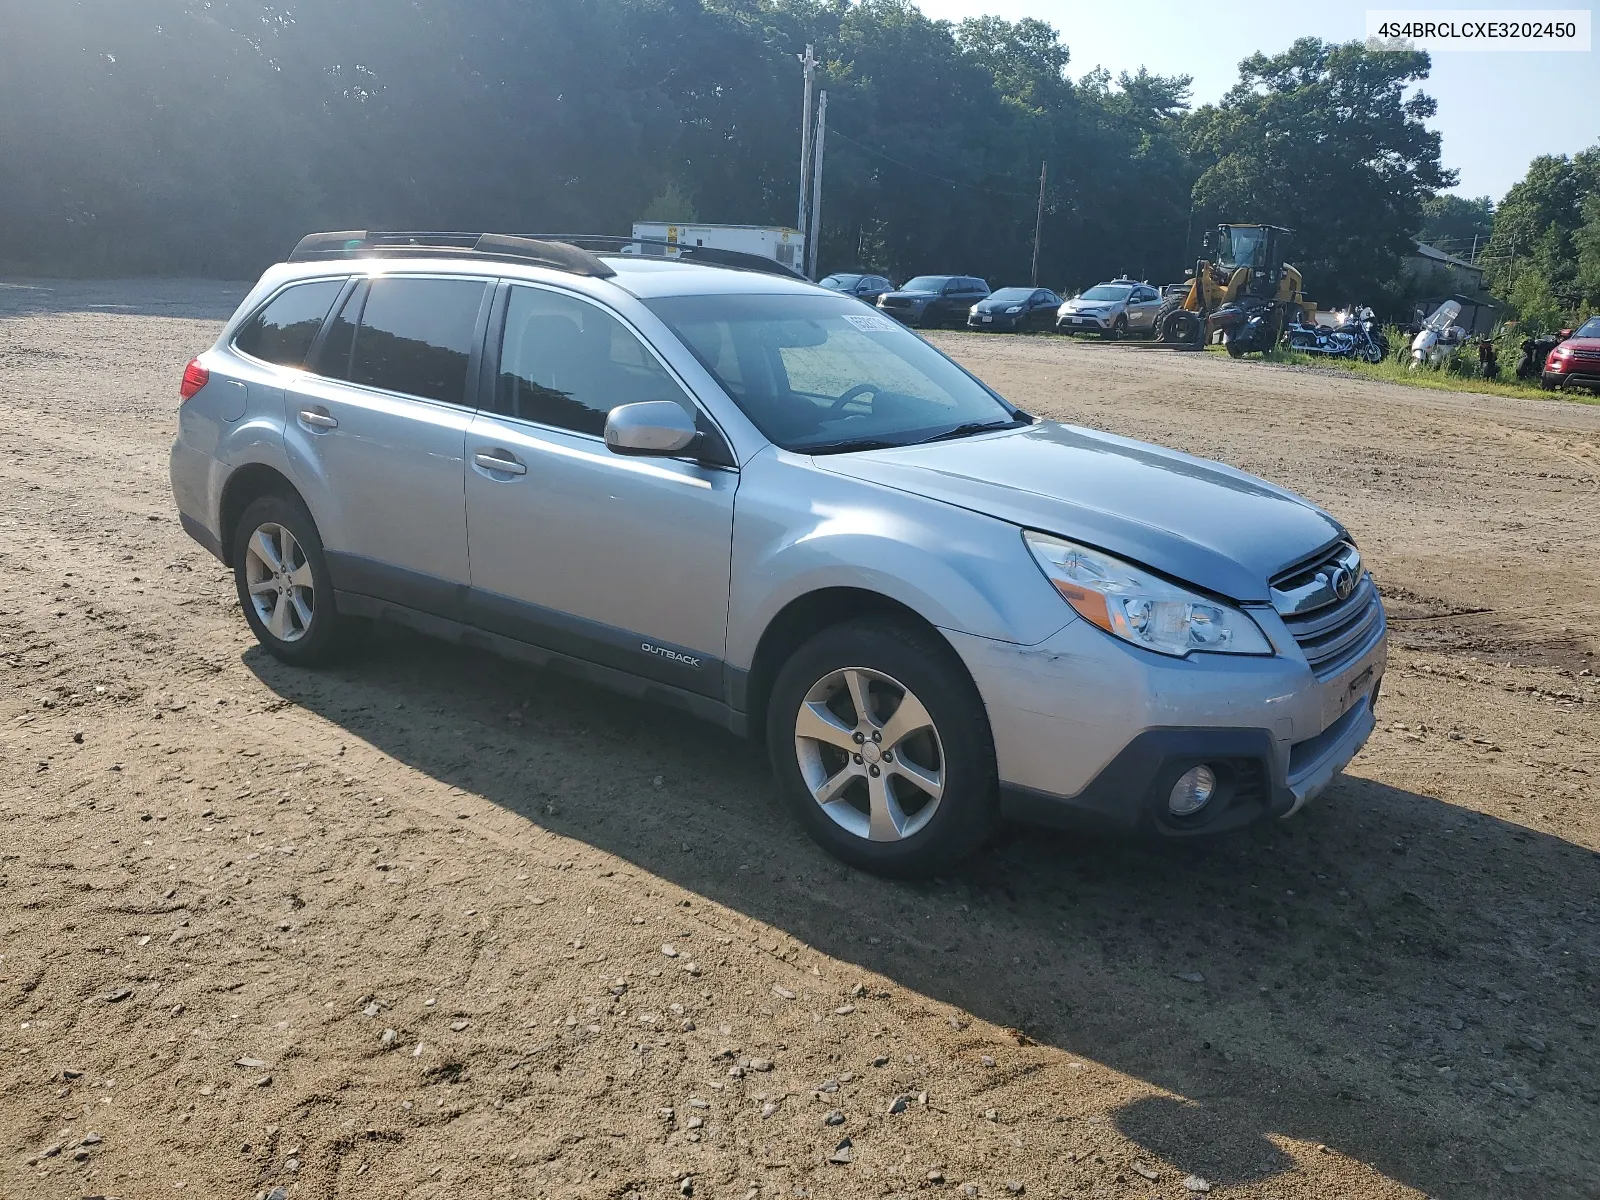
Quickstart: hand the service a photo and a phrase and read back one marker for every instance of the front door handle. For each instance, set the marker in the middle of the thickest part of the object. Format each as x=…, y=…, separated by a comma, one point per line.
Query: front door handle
x=499, y=461
x=318, y=420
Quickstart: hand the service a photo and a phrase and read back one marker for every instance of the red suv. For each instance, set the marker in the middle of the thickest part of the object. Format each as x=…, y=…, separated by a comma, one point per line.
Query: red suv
x=1575, y=361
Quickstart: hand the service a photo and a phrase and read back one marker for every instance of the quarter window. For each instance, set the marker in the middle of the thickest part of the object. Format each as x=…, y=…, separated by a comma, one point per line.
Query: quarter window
x=567, y=363
x=414, y=336
x=283, y=331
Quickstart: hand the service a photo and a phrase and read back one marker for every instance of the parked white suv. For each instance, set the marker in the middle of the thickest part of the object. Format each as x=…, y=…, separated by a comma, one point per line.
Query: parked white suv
x=758, y=500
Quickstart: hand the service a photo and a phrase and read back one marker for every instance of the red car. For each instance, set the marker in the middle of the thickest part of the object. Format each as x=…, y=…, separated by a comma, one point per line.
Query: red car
x=1575, y=361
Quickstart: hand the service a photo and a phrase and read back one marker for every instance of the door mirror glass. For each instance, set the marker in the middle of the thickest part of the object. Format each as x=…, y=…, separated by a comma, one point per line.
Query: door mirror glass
x=651, y=428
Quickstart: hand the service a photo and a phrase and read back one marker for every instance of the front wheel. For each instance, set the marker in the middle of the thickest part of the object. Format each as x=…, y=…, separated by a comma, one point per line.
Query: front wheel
x=1118, y=330
x=882, y=747
x=283, y=583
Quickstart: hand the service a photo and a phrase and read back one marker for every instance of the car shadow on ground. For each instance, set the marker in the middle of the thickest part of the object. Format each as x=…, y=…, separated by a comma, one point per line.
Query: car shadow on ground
x=1404, y=980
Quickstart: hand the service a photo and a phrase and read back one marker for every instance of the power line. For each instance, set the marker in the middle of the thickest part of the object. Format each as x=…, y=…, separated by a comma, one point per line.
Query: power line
x=952, y=182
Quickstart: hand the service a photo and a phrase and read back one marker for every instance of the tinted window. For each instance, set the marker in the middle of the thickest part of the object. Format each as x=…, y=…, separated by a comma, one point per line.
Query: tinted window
x=415, y=336
x=283, y=331
x=567, y=363
x=926, y=283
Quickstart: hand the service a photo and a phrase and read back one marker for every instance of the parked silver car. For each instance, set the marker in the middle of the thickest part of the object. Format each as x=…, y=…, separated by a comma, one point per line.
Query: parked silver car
x=1113, y=310
x=747, y=496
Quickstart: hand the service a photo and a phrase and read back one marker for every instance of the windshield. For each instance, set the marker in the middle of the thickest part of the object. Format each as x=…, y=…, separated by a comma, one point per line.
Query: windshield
x=1013, y=295
x=818, y=374
x=1590, y=328
x=926, y=283
x=1106, y=292
x=1244, y=247
x=838, y=283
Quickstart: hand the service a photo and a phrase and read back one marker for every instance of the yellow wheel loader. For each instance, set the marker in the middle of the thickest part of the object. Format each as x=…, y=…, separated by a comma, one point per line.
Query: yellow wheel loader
x=1246, y=278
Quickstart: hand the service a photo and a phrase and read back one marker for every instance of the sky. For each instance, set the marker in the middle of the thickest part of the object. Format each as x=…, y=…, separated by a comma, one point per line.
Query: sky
x=1497, y=111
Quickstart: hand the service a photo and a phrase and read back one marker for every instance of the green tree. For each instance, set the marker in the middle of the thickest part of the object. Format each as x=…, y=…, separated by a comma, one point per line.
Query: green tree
x=1545, y=250
x=1456, y=224
x=1324, y=139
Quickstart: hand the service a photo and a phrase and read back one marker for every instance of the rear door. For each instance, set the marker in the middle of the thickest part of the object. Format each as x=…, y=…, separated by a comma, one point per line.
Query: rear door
x=377, y=432
x=620, y=561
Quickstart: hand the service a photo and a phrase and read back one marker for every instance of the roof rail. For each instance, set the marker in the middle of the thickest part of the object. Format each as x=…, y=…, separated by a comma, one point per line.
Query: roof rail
x=572, y=252
x=364, y=244
x=710, y=256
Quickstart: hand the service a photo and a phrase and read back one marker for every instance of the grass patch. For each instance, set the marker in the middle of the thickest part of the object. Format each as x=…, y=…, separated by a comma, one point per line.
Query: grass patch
x=1396, y=370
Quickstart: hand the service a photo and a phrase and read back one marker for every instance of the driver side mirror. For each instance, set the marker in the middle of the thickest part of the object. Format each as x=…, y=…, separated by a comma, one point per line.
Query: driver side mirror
x=651, y=429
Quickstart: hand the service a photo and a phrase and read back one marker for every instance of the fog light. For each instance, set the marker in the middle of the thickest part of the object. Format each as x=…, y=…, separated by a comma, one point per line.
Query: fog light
x=1194, y=788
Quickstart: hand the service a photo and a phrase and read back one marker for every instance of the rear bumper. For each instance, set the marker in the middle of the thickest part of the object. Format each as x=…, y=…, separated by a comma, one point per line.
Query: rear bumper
x=197, y=480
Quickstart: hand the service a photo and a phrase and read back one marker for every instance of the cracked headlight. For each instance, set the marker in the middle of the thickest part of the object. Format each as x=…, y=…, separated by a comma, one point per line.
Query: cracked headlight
x=1140, y=607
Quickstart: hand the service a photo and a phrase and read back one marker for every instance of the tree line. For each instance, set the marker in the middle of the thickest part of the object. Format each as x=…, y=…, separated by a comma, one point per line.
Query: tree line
x=205, y=136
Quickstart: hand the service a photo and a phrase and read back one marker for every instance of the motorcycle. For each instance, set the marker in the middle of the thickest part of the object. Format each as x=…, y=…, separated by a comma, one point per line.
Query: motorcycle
x=1355, y=336
x=1245, y=330
x=1439, y=336
x=1535, y=350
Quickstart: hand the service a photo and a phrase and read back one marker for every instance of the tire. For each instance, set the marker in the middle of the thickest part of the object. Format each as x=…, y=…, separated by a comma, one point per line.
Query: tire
x=292, y=611
x=1169, y=305
x=884, y=823
x=1236, y=347
x=1118, y=330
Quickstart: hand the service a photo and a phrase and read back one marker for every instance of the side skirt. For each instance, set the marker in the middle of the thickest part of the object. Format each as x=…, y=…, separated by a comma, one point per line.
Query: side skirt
x=627, y=684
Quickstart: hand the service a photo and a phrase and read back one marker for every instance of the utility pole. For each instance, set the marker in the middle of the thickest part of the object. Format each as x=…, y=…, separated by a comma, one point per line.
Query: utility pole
x=809, y=62
x=816, y=184
x=1038, y=223
x=1474, y=249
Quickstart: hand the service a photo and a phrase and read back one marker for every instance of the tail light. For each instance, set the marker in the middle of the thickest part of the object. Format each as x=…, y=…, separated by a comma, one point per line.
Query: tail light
x=195, y=377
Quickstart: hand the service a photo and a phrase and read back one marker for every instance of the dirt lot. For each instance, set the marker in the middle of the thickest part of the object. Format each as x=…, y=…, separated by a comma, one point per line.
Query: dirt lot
x=432, y=925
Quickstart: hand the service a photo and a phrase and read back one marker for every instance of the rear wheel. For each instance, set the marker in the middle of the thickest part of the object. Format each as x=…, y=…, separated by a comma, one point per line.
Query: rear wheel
x=882, y=747
x=283, y=583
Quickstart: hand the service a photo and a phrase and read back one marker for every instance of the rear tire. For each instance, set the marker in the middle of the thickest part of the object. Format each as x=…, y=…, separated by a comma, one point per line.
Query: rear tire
x=284, y=585
x=931, y=799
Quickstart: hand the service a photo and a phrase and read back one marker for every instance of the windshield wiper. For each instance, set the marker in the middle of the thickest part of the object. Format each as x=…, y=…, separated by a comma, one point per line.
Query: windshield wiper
x=846, y=444
x=970, y=428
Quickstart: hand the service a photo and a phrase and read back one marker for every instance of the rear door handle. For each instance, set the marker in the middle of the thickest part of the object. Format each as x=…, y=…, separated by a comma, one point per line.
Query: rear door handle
x=318, y=420
x=499, y=461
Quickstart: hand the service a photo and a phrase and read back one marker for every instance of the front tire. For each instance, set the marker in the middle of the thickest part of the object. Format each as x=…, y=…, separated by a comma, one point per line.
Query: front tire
x=284, y=585
x=882, y=746
x=1118, y=330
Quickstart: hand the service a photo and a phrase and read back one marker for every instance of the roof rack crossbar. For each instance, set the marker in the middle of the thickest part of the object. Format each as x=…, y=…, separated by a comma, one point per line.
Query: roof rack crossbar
x=572, y=252
x=405, y=243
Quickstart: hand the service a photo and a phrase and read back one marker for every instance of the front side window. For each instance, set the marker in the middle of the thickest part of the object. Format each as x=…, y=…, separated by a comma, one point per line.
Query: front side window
x=816, y=374
x=413, y=336
x=567, y=363
x=283, y=331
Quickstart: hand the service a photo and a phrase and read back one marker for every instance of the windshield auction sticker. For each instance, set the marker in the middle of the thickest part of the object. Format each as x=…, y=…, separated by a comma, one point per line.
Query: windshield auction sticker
x=1443, y=30
x=870, y=323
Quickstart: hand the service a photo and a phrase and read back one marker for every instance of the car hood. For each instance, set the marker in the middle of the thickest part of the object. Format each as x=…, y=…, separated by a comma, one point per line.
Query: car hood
x=1078, y=305
x=1197, y=521
x=999, y=306
x=911, y=295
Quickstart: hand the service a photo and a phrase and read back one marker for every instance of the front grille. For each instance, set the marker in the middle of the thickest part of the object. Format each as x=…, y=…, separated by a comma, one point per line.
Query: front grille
x=1331, y=631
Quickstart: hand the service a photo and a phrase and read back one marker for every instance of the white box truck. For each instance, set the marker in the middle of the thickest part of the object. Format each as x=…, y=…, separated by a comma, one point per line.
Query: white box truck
x=783, y=245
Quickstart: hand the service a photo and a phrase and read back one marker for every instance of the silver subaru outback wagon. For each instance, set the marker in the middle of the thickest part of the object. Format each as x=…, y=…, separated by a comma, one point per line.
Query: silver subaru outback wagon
x=725, y=488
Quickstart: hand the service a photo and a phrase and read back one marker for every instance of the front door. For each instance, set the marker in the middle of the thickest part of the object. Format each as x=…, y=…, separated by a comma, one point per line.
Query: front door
x=377, y=431
x=621, y=561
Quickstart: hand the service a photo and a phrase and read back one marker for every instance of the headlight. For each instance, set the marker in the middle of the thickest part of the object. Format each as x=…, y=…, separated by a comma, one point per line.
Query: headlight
x=1139, y=607
x=1013, y=310
x=973, y=311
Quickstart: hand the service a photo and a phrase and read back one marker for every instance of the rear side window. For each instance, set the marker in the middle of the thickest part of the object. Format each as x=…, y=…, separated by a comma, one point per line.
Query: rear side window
x=283, y=331
x=414, y=336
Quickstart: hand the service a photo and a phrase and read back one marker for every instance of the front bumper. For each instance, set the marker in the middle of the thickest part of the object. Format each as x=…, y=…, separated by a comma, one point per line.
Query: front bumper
x=1583, y=377
x=999, y=322
x=1084, y=322
x=1090, y=731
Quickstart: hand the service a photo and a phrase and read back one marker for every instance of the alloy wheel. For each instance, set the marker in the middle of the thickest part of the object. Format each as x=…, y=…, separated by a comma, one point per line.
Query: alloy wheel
x=278, y=576
x=870, y=754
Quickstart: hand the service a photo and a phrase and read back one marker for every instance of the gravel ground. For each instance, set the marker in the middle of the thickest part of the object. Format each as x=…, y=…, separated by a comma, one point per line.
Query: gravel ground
x=433, y=925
